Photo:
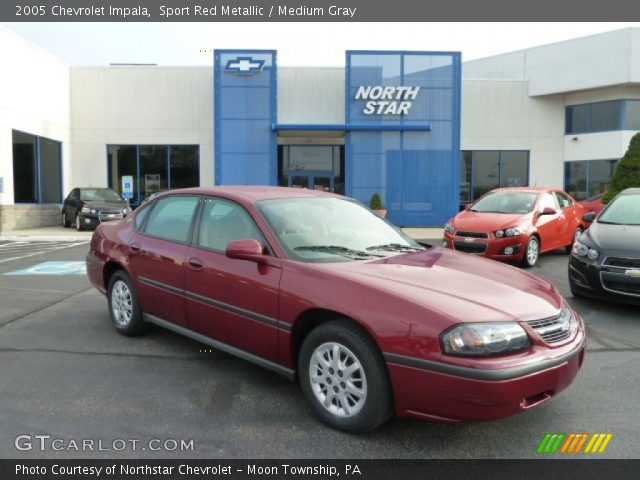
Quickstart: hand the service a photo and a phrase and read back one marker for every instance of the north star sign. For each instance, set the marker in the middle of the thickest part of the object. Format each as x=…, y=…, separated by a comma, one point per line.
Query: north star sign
x=387, y=100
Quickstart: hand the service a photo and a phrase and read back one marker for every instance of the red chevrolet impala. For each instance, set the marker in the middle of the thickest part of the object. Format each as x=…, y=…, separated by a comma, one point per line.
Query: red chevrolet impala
x=316, y=287
x=516, y=224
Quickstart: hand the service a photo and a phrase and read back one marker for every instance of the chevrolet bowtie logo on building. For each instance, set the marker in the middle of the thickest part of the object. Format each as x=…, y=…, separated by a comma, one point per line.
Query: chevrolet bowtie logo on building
x=574, y=443
x=244, y=66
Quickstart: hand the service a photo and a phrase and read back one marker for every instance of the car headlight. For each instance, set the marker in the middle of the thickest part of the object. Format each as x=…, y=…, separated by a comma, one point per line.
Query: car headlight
x=508, y=232
x=481, y=339
x=582, y=250
x=86, y=210
x=448, y=228
x=567, y=319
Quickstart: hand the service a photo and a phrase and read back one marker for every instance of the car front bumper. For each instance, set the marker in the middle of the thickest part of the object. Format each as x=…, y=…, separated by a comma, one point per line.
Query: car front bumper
x=597, y=281
x=421, y=391
x=493, y=248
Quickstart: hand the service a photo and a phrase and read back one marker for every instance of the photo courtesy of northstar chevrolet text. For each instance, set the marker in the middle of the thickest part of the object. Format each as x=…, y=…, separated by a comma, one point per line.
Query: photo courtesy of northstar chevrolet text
x=239, y=232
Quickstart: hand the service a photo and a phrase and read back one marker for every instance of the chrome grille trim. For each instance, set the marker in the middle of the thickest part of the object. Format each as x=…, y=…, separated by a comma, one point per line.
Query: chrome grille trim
x=550, y=329
x=621, y=262
x=462, y=233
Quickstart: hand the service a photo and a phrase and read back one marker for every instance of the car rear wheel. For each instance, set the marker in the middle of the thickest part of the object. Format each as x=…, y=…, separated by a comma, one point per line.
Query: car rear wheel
x=124, y=308
x=65, y=222
x=531, y=252
x=344, y=377
x=576, y=236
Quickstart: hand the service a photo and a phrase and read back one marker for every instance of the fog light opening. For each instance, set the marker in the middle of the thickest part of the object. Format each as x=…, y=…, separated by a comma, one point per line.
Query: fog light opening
x=536, y=399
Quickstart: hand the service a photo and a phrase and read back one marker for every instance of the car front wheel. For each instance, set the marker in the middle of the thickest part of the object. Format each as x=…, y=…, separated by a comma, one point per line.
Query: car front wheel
x=78, y=222
x=344, y=377
x=124, y=308
x=531, y=252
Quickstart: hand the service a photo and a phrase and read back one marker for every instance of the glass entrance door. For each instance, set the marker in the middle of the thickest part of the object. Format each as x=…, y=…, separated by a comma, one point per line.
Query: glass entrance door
x=322, y=181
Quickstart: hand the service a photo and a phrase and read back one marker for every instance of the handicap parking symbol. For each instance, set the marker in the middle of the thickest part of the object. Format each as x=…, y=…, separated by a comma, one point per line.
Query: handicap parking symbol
x=53, y=268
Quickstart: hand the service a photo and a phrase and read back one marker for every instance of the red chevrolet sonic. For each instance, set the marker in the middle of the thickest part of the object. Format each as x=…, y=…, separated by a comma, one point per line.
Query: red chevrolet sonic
x=318, y=288
x=516, y=224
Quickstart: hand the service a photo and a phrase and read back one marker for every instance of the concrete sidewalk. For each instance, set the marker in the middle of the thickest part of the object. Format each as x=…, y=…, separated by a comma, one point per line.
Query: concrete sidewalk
x=46, y=234
x=56, y=234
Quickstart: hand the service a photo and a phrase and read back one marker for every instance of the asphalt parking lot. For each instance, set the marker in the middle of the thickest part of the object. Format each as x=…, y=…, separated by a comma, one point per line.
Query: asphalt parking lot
x=64, y=371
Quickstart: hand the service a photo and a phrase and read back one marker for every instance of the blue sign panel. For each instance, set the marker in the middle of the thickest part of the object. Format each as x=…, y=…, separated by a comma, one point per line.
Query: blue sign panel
x=415, y=170
x=245, y=108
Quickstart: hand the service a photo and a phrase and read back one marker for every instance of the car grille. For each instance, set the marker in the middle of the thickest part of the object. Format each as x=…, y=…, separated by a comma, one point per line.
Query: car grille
x=552, y=330
x=110, y=214
x=470, y=247
x=622, y=262
x=472, y=234
x=621, y=287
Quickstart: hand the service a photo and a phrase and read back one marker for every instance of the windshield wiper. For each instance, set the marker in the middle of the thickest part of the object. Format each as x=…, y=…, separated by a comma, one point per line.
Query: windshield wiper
x=610, y=223
x=337, y=250
x=395, y=247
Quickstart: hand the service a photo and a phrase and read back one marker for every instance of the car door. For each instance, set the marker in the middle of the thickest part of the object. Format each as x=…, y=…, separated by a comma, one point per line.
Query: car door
x=157, y=254
x=548, y=226
x=568, y=223
x=231, y=300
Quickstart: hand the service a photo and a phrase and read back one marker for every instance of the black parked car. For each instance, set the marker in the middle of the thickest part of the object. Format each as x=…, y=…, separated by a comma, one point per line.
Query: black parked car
x=605, y=261
x=87, y=207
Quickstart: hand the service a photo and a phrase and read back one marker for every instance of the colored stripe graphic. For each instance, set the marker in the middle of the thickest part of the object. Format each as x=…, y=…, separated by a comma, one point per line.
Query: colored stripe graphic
x=573, y=443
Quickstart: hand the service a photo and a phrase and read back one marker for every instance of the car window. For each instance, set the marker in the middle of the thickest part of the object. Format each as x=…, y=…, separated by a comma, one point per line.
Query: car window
x=171, y=218
x=563, y=200
x=548, y=201
x=74, y=195
x=224, y=221
x=141, y=214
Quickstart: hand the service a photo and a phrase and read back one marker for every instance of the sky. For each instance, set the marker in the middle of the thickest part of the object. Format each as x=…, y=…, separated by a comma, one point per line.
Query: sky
x=298, y=44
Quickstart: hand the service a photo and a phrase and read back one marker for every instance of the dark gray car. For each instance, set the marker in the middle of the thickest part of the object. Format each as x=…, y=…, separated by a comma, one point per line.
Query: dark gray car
x=88, y=207
x=605, y=261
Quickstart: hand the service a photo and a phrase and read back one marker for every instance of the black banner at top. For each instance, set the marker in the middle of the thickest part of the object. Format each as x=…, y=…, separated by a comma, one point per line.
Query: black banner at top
x=315, y=10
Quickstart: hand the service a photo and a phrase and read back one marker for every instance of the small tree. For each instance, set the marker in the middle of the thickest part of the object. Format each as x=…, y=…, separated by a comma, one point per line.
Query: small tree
x=627, y=173
x=376, y=202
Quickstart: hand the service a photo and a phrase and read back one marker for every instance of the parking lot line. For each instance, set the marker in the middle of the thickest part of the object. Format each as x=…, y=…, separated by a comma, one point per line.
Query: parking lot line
x=41, y=249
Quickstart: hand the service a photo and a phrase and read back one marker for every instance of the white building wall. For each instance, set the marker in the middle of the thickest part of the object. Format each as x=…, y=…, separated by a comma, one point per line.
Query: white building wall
x=139, y=105
x=34, y=98
x=500, y=115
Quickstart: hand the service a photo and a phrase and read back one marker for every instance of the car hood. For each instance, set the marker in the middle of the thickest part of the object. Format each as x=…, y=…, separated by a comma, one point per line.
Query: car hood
x=487, y=221
x=98, y=205
x=614, y=237
x=458, y=285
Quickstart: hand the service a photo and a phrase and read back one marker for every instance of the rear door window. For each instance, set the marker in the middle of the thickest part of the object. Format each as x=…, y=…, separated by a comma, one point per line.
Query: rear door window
x=172, y=218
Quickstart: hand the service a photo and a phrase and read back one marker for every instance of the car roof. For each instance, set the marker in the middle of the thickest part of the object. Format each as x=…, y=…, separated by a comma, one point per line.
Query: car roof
x=526, y=189
x=630, y=191
x=255, y=193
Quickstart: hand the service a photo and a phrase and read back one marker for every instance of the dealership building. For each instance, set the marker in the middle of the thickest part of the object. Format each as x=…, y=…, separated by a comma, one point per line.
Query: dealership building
x=425, y=131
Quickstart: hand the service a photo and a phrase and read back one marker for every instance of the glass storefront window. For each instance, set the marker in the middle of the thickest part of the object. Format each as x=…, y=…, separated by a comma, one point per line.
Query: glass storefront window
x=312, y=166
x=584, y=179
x=577, y=118
x=37, y=169
x=154, y=168
x=486, y=172
x=605, y=116
x=482, y=171
x=632, y=115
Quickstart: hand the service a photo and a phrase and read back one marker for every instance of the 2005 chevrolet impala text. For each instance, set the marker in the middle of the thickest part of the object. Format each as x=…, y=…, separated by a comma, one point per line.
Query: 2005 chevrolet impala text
x=318, y=288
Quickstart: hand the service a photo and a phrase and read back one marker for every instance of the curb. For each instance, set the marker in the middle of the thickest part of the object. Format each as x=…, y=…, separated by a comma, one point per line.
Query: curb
x=45, y=238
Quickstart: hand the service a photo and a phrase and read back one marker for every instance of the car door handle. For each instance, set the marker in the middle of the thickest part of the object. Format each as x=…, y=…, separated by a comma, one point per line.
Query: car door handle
x=195, y=263
x=135, y=248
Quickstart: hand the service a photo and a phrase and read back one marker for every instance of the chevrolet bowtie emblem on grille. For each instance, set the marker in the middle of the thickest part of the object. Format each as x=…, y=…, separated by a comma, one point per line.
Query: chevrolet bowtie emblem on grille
x=244, y=66
x=632, y=273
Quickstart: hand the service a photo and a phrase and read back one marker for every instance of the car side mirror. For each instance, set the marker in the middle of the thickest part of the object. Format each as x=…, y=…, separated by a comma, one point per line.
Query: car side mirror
x=589, y=217
x=249, y=249
x=548, y=211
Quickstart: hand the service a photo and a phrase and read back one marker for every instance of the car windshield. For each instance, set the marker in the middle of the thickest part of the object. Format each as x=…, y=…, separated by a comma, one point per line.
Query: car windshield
x=332, y=230
x=506, y=202
x=99, y=195
x=624, y=210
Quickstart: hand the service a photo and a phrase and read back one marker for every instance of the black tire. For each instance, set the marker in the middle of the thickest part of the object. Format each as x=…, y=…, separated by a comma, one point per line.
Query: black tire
x=65, y=222
x=78, y=223
x=135, y=324
x=377, y=406
x=569, y=248
x=528, y=262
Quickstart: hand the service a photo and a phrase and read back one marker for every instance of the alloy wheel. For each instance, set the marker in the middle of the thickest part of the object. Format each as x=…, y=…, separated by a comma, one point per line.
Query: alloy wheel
x=338, y=379
x=121, y=303
x=533, y=250
x=576, y=236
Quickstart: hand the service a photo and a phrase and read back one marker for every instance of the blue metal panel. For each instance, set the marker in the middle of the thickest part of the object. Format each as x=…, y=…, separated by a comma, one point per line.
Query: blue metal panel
x=245, y=109
x=415, y=169
x=349, y=127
